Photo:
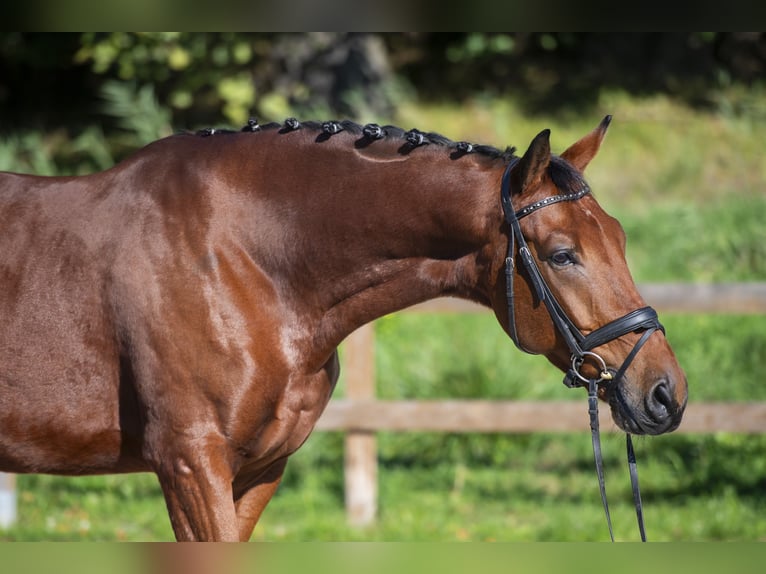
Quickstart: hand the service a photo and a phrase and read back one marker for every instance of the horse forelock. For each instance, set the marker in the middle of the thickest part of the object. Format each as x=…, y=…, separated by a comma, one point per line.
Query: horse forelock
x=369, y=133
x=565, y=176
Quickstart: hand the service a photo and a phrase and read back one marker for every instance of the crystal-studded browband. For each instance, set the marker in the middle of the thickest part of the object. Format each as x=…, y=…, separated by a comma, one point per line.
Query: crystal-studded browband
x=583, y=191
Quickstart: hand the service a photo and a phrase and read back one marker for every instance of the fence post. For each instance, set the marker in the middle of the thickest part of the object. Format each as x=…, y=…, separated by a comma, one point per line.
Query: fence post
x=361, y=458
x=7, y=500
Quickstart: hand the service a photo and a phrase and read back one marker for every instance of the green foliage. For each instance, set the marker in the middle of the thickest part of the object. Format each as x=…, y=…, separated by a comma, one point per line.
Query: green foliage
x=26, y=153
x=469, y=356
x=56, y=153
x=477, y=44
x=722, y=355
x=136, y=110
x=230, y=76
x=188, y=69
x=719, y=240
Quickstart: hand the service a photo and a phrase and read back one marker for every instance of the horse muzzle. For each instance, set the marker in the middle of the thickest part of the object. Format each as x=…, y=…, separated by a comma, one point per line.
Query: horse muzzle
x=655, y=412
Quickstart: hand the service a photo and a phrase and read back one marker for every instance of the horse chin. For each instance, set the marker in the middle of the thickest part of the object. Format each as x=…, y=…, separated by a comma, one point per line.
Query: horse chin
x=630, y=414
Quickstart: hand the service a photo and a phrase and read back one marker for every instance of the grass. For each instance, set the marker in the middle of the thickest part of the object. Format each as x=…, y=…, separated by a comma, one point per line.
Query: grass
x=688, y=187
x=471, y=488
x=115, y=507
x=531, y=488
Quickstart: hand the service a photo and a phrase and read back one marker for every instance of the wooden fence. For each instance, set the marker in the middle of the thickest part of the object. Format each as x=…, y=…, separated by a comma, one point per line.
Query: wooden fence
x=361, y=415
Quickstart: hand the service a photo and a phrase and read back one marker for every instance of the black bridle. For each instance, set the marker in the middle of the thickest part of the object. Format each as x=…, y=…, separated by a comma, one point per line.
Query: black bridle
x=580, y=346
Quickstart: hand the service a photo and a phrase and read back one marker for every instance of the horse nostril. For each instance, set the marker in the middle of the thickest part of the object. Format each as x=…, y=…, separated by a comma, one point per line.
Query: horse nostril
x=660, y=403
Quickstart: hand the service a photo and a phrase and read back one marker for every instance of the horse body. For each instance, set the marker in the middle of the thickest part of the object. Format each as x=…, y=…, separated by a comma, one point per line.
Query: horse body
x=180, y=312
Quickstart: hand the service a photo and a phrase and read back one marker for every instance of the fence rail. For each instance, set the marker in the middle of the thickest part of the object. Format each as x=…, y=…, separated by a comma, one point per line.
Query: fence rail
x=361, y=415
x=727, y=298
x=369, y=416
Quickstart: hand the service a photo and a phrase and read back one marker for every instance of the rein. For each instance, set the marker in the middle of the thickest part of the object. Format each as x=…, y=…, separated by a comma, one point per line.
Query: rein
x=580, y=346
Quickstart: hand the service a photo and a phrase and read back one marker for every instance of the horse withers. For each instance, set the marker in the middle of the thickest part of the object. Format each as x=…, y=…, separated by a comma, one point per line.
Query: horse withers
x=180, y=312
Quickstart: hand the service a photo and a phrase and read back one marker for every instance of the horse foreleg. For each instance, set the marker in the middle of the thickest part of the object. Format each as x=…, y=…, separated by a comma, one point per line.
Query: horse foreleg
x=251, y=503
x=196, y=483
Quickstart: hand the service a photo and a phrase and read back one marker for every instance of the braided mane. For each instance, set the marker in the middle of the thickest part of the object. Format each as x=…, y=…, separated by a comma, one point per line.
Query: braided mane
x=369, y=133
x=565, y=177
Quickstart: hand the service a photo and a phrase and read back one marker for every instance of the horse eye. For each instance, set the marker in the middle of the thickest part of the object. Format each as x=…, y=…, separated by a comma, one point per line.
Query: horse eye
x=562, y=258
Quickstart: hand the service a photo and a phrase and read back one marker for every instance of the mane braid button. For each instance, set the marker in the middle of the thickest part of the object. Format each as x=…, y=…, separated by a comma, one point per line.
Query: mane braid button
x=464, y=147
x=252, y=126
x=292, y=124
x=415, y=138
x=373, y=132
x=331, y=128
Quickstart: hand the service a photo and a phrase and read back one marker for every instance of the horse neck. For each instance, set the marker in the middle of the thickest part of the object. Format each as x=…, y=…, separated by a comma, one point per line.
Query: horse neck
x=374, y=234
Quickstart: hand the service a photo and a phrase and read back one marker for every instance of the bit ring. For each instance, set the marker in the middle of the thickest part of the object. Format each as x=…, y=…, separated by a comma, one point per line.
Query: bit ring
x=577, y=362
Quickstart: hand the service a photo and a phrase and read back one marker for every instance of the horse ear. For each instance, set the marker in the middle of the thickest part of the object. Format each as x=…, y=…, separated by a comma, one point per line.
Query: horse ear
x=580, y=153
x=532, y=166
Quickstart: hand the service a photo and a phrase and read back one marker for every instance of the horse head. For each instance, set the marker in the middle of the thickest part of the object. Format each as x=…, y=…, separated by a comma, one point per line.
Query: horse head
x=568, y=293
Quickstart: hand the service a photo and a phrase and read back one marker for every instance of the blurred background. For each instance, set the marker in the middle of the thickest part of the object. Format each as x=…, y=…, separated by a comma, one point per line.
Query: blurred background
x=682, y=168
x=118, y=90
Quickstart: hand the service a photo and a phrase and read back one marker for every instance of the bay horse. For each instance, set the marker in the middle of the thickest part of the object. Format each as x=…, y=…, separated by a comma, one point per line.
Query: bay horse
x=180, y=312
